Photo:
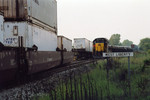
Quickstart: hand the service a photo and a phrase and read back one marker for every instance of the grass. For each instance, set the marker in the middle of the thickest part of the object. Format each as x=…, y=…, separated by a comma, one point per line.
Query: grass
x=102, y=83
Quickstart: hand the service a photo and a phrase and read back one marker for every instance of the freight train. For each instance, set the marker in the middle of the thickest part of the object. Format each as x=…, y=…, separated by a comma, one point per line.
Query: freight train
x=29, y=42
x=101, y=45
x=83, y=48
x=28, y=38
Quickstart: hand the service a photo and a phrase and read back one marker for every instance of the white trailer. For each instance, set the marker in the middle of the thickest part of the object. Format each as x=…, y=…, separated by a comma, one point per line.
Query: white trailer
x=63, y=43
x=91, y=46
x=31, y=35
x=83, y=44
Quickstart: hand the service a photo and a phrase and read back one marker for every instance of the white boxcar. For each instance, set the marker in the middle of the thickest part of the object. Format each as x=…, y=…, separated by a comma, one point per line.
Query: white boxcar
x=82, y=43
x=44, y=11
x=64, y=43
x=1, y=27
x=32, y=35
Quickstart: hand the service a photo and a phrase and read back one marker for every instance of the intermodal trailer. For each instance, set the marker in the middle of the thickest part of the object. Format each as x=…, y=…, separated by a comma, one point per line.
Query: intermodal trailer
x=82, y=44
x=82, y=48
x=64, y=45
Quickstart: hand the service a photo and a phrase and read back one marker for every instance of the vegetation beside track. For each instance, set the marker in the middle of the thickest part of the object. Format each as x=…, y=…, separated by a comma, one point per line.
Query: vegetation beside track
x=102, y=84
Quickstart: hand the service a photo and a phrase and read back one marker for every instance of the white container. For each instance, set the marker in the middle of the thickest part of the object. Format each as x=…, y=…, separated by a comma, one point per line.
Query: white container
x=1, y=27
x=34, y=11
x=64, y=43
x=82, y=43
x=91, y=46
x=32, y=35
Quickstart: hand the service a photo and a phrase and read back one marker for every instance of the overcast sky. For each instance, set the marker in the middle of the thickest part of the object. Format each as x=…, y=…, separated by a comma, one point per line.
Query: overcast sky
x=102, y=18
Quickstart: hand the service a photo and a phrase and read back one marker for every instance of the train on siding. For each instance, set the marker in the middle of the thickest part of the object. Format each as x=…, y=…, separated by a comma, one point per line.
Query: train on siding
x=101, y=45
x=83, y=49
x=28, y=38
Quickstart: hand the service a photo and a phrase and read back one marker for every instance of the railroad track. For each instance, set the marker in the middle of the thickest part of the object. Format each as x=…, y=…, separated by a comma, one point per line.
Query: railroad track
x=45, y=74
x=72, y=66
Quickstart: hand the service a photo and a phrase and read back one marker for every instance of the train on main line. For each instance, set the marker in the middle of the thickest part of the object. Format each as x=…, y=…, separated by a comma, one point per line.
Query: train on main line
x=29, y=42
x=28, y=39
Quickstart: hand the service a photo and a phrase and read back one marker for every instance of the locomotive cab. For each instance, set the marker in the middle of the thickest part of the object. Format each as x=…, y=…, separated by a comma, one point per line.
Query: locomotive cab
x=100, y=45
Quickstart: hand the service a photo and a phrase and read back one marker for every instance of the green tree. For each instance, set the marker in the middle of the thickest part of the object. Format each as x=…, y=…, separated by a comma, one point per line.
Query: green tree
x=127, y=43
x=144, y=44
x=115, y=39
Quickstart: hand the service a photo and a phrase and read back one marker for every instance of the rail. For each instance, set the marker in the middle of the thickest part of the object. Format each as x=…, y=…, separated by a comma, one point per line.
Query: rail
x=45, y=74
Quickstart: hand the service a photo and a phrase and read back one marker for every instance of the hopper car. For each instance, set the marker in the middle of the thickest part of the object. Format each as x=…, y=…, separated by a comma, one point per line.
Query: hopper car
x=120, y=48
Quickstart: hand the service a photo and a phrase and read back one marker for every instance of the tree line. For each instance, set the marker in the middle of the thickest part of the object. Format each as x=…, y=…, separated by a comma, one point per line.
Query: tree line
x=144, y=44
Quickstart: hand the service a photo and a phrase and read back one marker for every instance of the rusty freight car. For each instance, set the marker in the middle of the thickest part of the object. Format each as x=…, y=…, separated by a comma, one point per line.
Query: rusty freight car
x=41, y=12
